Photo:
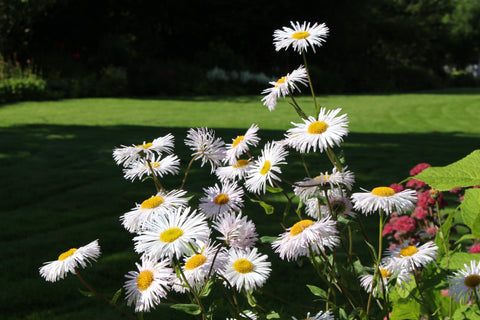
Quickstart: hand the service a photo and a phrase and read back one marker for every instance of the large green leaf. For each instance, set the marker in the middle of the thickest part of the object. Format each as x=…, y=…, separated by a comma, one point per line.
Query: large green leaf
x=459, y=259
x=470, y=209
x=463, y=173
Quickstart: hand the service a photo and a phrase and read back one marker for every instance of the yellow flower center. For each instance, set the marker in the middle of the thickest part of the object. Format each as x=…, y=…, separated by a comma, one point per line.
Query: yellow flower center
x=266, y=167
x=241, y=163
x=383, y=191
x=66, y=254
x=221, y=198
x=408, y=251
x=300, y=226
x=281, y=80
x=243, y=266
x=324, y=176
x=472, y=281
x=317, y=127
x=237, y=141
x=171, y=234
x=144, y=279
x=386, y=273
x=195, y=261
x=155, y=164
x=299, y=35
x=151, y=203
x=145, y=145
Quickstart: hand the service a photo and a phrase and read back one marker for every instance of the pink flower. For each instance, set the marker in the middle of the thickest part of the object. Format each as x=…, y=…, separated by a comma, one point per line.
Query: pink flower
x=419, y=168
x=415, y=184
x=432, y=231
x=456, y=190
x=420, y=213
x=475, y=248
x=397, y=187
x=445, y=292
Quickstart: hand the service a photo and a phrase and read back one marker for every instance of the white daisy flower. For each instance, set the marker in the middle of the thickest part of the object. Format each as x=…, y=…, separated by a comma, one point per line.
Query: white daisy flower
x=265, y=168
x=246, y=269
x=341, y=206
x=464, y=283
x=312, y=187
x=237, y=231
x=172, y=234
x=300, y=36
x=206, y=147
x=327, y=315
x=366, y=280
x=240, y=144
x=237, y=171
x=306, y=236
x=69, y=261
x=408, y=258
x=130, y=154
x=198, y=266
x=386, y=199
x=245, y=315
x=284, y=86
x=161, y=166
x=218, y=201
x=325, y=131
x=148, y=285
x=156, y=205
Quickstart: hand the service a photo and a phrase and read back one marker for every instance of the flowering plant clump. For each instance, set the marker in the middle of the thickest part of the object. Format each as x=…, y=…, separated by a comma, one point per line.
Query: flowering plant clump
x=189, y=247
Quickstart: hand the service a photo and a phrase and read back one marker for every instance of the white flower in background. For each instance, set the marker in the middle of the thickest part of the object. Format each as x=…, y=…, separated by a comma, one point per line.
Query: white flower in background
x=218, y=200
x=198, y=266
x=366, y=280
x=312, y=187
x=384, y=198
x=240, y=144
x=237, y=231
x=247, y=269
x=206, y=146
x=148, y=285
x=305, y=237
x=341, y=206
x=161, y=166
x=327, y=315
x=265, y=169
x=409, y=258
x=245, y=315
x=465, y=284
x=236, y=171
x=172, y=234
x=69, y=261
x=127, y=155
x=284, y=86
x=300, y=36
x=154, y=206
x=323, y=132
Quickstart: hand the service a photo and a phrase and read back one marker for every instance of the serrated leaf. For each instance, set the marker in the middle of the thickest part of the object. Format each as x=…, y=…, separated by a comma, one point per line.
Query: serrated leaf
x=319, y=292
x=187, y=308
x=115, y=297
x=463, y=173
x=470, y=209
x=272, y=189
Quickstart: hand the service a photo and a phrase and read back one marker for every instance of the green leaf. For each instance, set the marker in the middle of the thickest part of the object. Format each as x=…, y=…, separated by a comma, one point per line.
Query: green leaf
x=463, y=173
x=444, y=234
x=458, y=259
x=267, y=239
x=187, y=308
x=466, y=313
x=251, y=299
x=273, y=315
x=470, y=209
x=273, y=190
x=319, y=292
x=116, y=296
x=267, y=207
x=207, y=289
x=88, y=294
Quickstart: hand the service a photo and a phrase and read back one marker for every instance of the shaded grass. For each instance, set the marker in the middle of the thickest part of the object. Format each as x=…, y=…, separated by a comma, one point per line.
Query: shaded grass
x=61, y=188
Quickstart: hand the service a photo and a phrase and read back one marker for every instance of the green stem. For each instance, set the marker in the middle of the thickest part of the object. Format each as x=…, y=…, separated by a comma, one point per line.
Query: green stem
x=158, y=185
x=377, y=265
x=310, y=83
x=422, y=295
x=442, y=235
x=297, y=108
x=188, y=169
x=101, y=296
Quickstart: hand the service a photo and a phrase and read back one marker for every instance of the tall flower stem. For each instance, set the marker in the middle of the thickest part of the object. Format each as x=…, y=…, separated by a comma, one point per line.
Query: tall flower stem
x=101, y=296
x=422, y=294
x=158, y=185
x=377, y=265
x=188, y=170
x=317, y=109
x=297, y=108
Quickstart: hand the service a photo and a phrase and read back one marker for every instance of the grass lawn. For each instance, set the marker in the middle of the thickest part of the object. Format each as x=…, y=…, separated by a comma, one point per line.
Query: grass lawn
x=60, y=187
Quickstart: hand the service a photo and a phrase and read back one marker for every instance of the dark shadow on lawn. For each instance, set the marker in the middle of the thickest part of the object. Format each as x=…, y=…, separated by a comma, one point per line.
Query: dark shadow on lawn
x=61, y=185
